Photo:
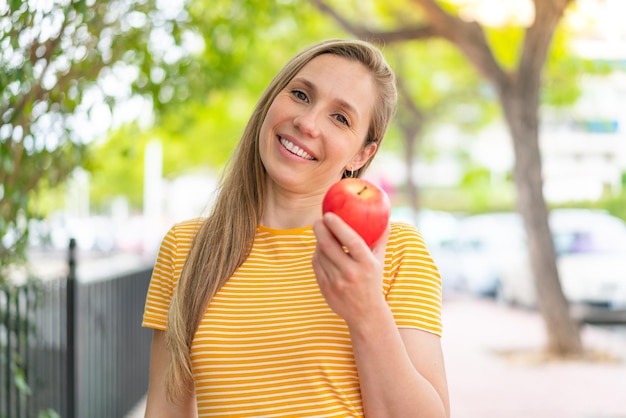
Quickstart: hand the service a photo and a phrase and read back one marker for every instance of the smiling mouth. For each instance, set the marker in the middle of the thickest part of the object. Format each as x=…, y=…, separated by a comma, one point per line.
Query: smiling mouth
x=294, y=149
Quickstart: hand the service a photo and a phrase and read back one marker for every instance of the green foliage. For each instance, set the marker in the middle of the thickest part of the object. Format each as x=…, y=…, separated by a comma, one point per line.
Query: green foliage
x=563, y=72
x=16, y=330
x=480, y=193
x=48, y=413
x=247, y=41
x=60, y=62
x=117, y=167
x=476, y=176
x=204, y=66
x=241, y=47
x=506, y=44
x=470, y=200
x=443, y=86
x=615, y=204
x=204, y=135
x=19, y=379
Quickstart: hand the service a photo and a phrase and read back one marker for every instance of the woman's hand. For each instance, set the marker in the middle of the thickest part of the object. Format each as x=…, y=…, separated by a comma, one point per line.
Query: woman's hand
x=399, y=370
x=349, y=273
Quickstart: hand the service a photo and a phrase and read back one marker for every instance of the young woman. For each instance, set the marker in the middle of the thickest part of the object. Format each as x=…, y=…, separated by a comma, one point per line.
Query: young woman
x=266, y=308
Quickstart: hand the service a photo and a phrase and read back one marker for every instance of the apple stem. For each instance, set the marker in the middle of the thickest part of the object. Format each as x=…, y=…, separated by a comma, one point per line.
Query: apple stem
x=362, y=190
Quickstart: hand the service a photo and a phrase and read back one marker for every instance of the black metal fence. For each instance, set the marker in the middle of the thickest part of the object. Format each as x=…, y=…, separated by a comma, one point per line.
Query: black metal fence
x=73, y=349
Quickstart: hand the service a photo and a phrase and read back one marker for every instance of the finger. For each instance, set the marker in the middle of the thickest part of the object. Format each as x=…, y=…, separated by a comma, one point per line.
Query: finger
x=346, y=236
x=318, y=268
x=327, y=241
x=325, y=271
x=326, y=245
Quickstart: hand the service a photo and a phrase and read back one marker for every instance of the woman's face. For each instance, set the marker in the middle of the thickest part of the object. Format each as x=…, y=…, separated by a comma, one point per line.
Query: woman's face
x=316, y=127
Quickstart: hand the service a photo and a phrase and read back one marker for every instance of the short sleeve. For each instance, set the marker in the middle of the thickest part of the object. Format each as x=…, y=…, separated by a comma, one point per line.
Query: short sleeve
x=168, y=266
x=412, y=284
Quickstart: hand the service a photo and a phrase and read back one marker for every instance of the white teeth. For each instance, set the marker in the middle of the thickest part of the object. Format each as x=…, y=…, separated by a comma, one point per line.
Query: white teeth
x=294, y=149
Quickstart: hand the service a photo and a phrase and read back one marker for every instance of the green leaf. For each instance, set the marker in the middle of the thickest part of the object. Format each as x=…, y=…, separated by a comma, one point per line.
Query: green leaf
x=20, y=382
x=48, y=413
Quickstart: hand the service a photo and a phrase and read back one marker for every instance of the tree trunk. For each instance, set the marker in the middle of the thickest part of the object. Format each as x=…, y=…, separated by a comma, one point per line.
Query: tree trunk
x=519, y=97
x=563, y=336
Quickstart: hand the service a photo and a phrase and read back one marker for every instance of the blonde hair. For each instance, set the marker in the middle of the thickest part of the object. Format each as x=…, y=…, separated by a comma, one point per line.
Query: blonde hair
x=224, y=239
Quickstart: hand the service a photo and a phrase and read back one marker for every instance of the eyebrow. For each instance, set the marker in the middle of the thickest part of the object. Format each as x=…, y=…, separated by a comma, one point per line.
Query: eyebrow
x=342, y=103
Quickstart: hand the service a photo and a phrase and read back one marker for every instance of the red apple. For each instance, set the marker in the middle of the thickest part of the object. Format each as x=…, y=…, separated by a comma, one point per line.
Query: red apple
x=361, y=204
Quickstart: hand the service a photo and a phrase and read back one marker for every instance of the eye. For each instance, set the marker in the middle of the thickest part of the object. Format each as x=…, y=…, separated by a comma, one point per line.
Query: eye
x=342, y=119
x=300, y=95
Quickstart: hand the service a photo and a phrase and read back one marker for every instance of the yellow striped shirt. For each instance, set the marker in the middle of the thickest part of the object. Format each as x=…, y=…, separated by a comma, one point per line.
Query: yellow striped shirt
x=268, y=344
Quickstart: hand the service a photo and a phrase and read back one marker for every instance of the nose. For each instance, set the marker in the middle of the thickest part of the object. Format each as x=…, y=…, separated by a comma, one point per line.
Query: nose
x=308, y=122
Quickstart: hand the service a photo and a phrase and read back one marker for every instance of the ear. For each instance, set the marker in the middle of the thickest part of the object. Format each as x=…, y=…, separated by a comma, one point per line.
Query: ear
x=362, y=157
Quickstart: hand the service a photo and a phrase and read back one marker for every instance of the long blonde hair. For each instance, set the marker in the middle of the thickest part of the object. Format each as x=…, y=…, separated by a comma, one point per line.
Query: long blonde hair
x=224, y=239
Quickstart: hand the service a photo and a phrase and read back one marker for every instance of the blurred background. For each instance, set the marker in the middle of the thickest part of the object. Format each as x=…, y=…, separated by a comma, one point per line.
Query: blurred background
x=508, y=152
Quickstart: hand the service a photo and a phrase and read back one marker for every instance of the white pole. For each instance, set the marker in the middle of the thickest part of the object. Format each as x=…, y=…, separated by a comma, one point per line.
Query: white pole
x=152, y=194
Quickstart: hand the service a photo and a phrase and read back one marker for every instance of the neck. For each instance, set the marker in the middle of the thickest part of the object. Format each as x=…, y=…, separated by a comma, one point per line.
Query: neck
x=288, y=211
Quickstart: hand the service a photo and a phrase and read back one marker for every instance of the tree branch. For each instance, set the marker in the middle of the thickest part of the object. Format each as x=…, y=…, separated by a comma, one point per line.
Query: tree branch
x=537, y=42
x=469, y=37
x=414, y=114
x=377, y=37
x=37, y=88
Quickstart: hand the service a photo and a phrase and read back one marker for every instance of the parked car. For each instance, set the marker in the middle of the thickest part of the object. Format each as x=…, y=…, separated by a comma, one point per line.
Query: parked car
x=484, y=244
x=591, y=261
x=438, y=228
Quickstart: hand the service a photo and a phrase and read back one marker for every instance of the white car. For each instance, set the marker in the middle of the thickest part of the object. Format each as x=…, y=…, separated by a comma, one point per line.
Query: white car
x=438, y=229
x=591, y=260
x=483, y=245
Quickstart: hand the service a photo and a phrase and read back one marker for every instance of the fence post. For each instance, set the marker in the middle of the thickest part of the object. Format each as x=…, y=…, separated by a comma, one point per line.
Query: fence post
x=71, y=329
